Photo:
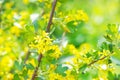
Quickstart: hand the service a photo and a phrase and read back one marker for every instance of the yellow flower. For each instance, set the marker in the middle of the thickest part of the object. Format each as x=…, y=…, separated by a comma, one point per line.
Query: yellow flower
x=8, y=49
x=52, y=67
x=9, y=76
x=1, y=31
x=75, y=23
x=75, y=61
x=104, y=53
x=30, y=72
x=32, y=61
x=79, y=15
x=22, y=23
x=54, y=76
x=74, y=51
x=24, y=15
x=40, y=0
x=15, y=30
x=70, y=77
x=84, y=48
x=6, y=61
x=1, y=40
x=48, y=5
x=9, y=17
x=46, y=16
x=56, y=54
x=25, y=1
x=68, y=72
x=8, y=5
x=103, y=78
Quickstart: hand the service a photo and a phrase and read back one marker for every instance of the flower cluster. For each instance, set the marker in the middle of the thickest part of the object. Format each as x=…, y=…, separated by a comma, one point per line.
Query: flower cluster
x=43, y=44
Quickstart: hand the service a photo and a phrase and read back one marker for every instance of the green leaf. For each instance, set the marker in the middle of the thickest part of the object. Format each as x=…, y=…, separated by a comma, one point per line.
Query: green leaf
x=53, y=29
x=36, y=26
x=104, y=46
x=18, y=65
x=39, y=78
x=16, y=77
x=88, y=55
x=29, y=28
x=30, y=66
x=24, y=74
x=111, y=47
x=85, y=76
x=83, y=67
x=108, y=38
x=110, y=76
x=117, y=54
x=60, y=70
x=50, y=51
x=113, y=28
x=71, y=27
x=93, y=72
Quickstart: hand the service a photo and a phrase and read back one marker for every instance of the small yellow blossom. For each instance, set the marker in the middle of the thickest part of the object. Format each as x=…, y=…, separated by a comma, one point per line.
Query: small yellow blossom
x=6, y=61
x=84, y=48
x=8, y=5
x=52, y=67
x=15, y=30
x=40, y=0
x=55, y=76
x=75, y=23
x=25, y=1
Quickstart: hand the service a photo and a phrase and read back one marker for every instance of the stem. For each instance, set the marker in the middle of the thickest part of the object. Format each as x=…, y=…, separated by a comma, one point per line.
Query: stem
x=47, y=30
x=98, y=60
x=51, y=16
x=36, y=69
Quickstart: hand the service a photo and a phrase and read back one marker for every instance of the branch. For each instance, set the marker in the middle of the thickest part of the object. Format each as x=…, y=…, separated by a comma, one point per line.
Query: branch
x=36, y=69
x=51, y=16
x=47, y=30
x=98, y=60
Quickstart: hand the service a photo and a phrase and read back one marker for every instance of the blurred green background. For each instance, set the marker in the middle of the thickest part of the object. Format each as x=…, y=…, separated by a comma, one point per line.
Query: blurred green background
x=100, y=13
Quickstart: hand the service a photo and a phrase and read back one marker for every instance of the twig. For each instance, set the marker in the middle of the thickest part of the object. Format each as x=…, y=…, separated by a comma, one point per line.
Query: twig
x=36, y=69
x=47, y=30
x=51, y=16
x=98, y=60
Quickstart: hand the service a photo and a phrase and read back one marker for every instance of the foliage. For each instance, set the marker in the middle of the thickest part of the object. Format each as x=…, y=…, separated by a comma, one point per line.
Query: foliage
x=27, y=50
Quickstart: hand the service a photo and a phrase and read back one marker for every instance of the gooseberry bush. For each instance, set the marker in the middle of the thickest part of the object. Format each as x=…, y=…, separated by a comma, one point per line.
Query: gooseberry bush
x=36, y=43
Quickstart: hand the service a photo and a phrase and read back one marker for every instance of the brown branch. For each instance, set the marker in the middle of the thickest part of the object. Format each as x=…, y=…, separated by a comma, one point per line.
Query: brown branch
x=98, y=60
x=36, y=69
x=51, y=16
x=47, y=30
